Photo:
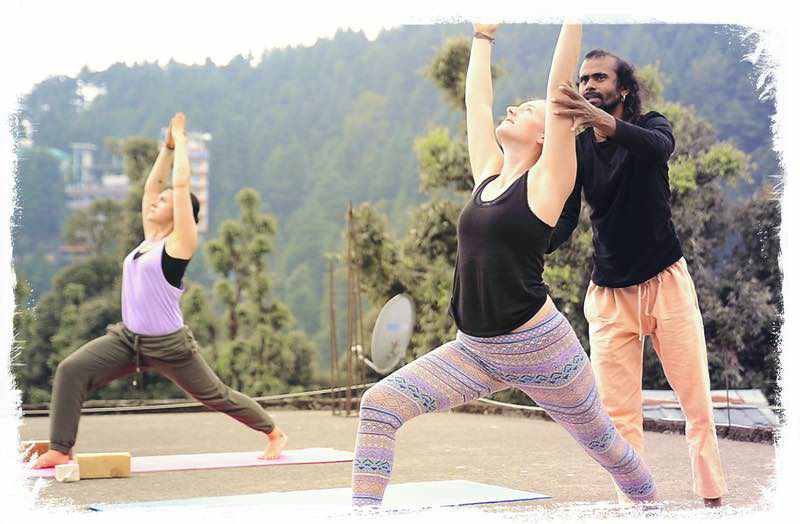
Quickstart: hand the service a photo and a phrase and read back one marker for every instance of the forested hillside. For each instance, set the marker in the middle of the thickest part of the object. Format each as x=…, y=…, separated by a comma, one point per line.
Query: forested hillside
x=313, y=128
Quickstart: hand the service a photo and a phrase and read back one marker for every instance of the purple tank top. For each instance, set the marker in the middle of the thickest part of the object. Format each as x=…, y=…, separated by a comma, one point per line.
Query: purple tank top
x=150, y=304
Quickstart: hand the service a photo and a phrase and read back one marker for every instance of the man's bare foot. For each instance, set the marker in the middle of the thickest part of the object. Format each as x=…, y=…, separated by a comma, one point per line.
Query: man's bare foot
x=713, y=503
x=277, y=441
x=51, y=459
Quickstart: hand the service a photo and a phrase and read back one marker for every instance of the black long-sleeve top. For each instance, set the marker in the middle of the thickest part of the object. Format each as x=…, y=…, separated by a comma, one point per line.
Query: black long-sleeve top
x=625, y=181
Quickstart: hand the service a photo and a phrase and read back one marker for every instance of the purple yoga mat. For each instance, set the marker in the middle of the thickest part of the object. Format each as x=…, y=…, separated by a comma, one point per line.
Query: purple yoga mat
x=241, y=459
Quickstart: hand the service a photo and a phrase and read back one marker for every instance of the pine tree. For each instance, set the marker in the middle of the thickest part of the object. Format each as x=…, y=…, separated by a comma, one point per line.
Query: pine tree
x=260, y=352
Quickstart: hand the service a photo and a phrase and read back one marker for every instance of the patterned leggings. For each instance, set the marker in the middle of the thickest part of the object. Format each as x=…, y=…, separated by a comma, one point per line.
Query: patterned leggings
x=546, y=362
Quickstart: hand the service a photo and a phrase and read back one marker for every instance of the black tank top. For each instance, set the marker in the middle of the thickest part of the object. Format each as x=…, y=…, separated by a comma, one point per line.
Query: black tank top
x=498, y=284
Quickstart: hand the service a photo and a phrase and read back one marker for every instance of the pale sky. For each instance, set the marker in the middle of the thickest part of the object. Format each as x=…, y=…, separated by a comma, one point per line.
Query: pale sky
x=62, y=37
x=44, y=38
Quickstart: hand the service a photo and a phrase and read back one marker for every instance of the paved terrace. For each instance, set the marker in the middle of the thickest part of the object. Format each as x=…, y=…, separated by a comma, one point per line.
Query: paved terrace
x=512, y=451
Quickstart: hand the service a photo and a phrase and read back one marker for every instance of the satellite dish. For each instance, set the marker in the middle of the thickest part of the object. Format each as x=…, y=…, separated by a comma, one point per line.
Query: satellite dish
x=391, y=334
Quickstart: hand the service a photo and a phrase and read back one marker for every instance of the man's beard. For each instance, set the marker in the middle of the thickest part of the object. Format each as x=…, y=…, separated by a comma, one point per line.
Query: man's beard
x=610, y=106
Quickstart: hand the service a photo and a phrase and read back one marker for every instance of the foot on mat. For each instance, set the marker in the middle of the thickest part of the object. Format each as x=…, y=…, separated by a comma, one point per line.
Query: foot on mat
x=277, y=441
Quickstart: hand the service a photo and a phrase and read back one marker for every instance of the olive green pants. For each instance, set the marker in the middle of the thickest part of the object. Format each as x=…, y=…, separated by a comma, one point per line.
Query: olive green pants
x=119, y=353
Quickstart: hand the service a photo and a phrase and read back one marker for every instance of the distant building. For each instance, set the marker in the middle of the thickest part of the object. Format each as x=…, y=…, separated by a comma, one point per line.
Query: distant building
x=96, y=173
x=735, y=407
x=197, y=144
x=92, y=174
x=198, y=158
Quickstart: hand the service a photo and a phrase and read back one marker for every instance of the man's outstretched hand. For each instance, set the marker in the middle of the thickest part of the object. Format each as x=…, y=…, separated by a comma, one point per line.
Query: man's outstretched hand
x=583, y=113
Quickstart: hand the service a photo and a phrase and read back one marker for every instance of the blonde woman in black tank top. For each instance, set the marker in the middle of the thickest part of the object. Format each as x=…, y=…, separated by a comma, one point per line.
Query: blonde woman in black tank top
x=547, y=161
x=509, y=332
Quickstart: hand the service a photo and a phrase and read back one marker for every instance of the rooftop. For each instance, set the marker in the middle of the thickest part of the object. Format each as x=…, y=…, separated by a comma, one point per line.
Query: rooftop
x=512, y=451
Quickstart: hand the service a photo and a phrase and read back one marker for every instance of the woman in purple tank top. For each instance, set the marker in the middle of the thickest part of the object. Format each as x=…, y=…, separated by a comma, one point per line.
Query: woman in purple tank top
x=151, y=335
x=510, y=333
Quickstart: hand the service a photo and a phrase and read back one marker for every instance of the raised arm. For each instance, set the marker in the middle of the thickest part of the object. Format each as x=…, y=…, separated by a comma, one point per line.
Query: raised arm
x=651, y=137
x=157, y=179
x=485, y=157
x=558, y=164
x=182, y=242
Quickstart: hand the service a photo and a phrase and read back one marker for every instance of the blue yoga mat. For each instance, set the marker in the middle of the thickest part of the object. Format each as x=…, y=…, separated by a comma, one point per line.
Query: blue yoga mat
x=411, y=495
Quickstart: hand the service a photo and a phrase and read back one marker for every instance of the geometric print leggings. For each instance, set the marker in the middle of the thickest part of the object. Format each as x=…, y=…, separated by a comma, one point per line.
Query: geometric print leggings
x=546, y=362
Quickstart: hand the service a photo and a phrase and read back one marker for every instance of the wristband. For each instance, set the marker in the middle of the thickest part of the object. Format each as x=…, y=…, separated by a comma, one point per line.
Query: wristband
x=484, y=36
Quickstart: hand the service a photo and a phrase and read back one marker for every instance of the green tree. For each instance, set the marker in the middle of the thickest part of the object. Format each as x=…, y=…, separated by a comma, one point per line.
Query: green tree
x=41, y=198
x=421, y=263
x=199, y=315
x=138, y=155
x=448, y=69
x=97, y=227
x=748, y=311
x=260, y=351
x=58, y=328
x=25, y=372
x=38, y=214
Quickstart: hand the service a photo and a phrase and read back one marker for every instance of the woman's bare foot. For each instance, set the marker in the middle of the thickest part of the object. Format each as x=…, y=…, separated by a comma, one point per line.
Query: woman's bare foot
x=51, y=459
x=277, y=441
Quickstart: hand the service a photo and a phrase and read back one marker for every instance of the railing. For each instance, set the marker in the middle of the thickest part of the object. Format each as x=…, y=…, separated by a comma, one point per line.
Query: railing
x=309, y=400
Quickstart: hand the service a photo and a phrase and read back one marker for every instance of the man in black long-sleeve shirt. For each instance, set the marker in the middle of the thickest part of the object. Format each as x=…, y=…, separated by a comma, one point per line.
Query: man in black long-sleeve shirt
x=640, y=283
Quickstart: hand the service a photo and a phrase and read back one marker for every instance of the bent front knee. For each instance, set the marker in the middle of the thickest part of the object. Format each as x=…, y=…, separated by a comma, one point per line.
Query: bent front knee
x=69, y=372
x=381, y=404
x=373, y=399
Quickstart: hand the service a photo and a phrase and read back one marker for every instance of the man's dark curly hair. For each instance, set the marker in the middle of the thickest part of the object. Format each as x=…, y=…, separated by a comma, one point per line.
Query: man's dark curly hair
x=626, y=79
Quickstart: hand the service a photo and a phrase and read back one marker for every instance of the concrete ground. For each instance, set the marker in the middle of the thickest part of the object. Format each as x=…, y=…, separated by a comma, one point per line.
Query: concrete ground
x=515, y=452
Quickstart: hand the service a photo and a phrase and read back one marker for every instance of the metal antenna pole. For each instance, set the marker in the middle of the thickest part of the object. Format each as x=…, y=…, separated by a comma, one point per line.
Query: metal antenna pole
x=350, y=309
x=360, y=322
x=332, y=331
